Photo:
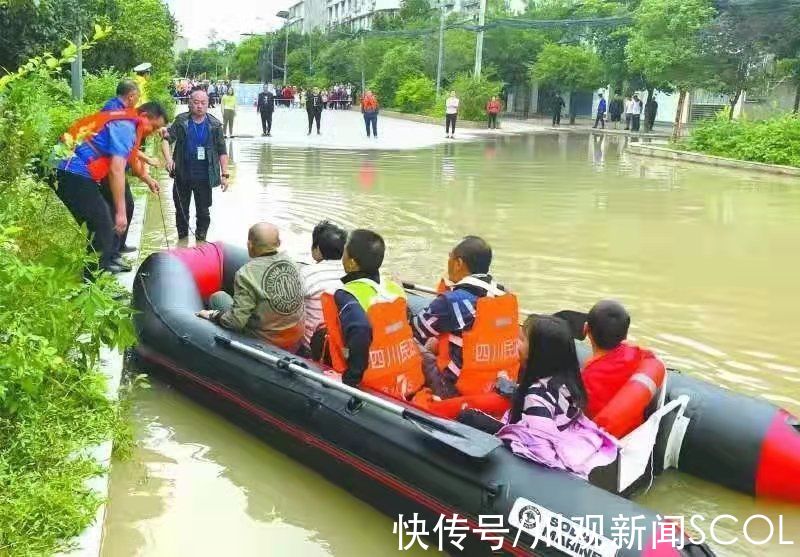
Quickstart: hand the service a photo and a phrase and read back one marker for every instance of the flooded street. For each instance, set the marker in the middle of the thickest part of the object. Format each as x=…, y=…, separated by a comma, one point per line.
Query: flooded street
x=704, y=259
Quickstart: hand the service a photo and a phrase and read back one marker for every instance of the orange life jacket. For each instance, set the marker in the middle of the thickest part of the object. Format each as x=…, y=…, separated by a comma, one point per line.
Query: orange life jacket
x=85, y=129
x=369, y=103
x=395, y=363
x=626, y=411
x=490, y=348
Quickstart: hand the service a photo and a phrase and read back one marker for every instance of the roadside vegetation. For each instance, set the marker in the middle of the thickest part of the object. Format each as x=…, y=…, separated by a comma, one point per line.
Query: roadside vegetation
x=772, y=141
x=53, y=403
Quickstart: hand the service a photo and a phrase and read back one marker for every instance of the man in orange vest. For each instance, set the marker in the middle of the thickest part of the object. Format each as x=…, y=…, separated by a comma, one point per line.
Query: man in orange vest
x=473, y=326
x=369, y=337
x=106, y=143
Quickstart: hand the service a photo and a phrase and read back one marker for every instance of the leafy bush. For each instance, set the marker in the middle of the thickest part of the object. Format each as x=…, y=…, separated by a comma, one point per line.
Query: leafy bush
x=415, y=94
x=52, y=324
x=773, y=141
x=399, y=63
x=98, y=88
x=473, y=95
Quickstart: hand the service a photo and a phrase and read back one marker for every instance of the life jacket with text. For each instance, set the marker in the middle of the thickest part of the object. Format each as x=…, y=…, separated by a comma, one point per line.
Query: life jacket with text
x=85, y=129
x=490, y=347
x=395, y=363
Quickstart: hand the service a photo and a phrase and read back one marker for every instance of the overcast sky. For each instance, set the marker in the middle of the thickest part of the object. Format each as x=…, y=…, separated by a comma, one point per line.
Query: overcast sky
x=229, y=18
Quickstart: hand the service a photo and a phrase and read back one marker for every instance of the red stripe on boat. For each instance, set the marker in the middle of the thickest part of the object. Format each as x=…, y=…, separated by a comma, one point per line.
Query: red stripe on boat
x=778, y=474
x=205, y=263
x=360, y=464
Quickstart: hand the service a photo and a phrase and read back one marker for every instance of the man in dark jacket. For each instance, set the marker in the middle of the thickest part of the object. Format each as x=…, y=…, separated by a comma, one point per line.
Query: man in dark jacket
x=200, y=163
x=650, y=111
x=265, y=107
x=314, y=105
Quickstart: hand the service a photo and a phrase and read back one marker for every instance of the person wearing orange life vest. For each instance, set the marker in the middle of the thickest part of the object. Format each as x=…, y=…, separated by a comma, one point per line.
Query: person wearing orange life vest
x=614, y=361
x=105, y=143
x=369, y=108
x=369, y=337
x=472, y=327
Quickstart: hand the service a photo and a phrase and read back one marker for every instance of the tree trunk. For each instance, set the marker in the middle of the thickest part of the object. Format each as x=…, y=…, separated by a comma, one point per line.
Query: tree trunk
x=649, y=94
x=733, y=102
x=571, y=108
x=676, y=129
x=797, y=98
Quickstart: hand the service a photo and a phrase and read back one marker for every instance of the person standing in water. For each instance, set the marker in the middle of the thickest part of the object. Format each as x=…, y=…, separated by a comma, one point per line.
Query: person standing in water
x=451, y=115
x=228, y=112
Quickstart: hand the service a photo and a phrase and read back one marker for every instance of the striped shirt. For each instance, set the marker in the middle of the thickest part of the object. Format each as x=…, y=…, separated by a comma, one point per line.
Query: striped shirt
x=318, y=278
x=548, y=400
x=451, y=312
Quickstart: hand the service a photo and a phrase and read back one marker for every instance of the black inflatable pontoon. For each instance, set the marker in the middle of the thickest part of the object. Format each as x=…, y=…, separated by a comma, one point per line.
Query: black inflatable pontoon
x=407, y=462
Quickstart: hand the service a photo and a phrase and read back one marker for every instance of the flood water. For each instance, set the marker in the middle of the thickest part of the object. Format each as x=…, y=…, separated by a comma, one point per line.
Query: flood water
x=704, y=259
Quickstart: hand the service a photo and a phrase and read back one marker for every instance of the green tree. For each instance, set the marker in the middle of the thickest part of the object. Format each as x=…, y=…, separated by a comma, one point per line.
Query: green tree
x=399, y=63
x=568, y=67
x=142, y=31
x=249, y=59
x=664, y=45
x=416, y=94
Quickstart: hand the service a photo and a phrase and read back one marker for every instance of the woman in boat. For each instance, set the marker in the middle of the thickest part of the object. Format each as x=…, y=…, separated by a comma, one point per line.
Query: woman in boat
x=546, y=423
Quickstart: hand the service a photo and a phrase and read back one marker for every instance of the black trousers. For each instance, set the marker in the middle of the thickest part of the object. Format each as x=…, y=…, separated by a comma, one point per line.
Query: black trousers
x=315, y=116
x=492, y=121
x=450, y=122
x=601, y=119
x=635, y=121
x=106, y=191
x=556, y=117
x=86, y=204
x=266, y=121
x=182, y=191
x=371, y=120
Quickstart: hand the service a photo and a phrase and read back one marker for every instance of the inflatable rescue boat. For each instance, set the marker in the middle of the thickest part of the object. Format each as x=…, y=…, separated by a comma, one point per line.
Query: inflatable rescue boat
x=413, y=461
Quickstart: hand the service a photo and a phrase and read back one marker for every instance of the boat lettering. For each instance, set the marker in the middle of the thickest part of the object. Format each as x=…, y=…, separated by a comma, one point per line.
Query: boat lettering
x=559, y=532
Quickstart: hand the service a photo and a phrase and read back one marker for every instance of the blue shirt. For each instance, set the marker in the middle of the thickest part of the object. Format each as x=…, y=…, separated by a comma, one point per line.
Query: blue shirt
x=601, y=107
x=197, y=135
x=117, y=138
x=113, y=104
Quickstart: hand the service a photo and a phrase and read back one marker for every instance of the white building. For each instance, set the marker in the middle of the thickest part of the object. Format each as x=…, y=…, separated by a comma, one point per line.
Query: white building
x=309, y=15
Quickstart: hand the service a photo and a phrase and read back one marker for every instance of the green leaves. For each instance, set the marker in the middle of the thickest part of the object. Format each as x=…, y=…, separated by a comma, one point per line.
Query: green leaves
x=569, y=67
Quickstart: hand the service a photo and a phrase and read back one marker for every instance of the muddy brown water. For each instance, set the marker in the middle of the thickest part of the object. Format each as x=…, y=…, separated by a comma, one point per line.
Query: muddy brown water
x=705, y=260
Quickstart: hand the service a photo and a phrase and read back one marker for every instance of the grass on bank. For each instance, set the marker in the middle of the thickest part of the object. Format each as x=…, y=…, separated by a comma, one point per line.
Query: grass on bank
x=772, y=141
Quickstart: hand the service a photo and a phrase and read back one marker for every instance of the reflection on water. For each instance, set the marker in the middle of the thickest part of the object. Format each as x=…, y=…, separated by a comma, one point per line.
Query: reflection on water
x=703, y=258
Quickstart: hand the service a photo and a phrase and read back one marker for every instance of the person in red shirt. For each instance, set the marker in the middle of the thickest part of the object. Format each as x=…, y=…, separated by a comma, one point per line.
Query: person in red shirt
x=613, y=361
x=493, y=109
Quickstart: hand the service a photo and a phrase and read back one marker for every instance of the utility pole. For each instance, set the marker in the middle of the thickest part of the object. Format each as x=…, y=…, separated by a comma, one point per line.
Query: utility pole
x=77, y=71
x=285, y=56
x=363, y=62
x=479, y=42
x=441, y=51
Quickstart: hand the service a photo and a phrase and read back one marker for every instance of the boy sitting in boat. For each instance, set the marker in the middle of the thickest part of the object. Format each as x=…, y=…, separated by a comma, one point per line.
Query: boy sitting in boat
x=614, y=361
x=267, y=297
x=469, y=330
x=369, y=336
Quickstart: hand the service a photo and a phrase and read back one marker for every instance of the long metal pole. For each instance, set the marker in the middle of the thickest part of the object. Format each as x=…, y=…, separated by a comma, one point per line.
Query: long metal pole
x=77, y=71
x=363, y=63
x=441, y=51
x=286, y=55
x=479, y=41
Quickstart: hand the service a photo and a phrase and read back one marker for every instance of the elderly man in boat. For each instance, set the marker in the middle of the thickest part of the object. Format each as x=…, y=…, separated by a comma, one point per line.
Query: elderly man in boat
x=267, y=299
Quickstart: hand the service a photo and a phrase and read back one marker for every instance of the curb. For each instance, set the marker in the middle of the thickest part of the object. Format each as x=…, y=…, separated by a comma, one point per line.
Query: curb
x=422, y=119
x=89, y=542
x=713, y=160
